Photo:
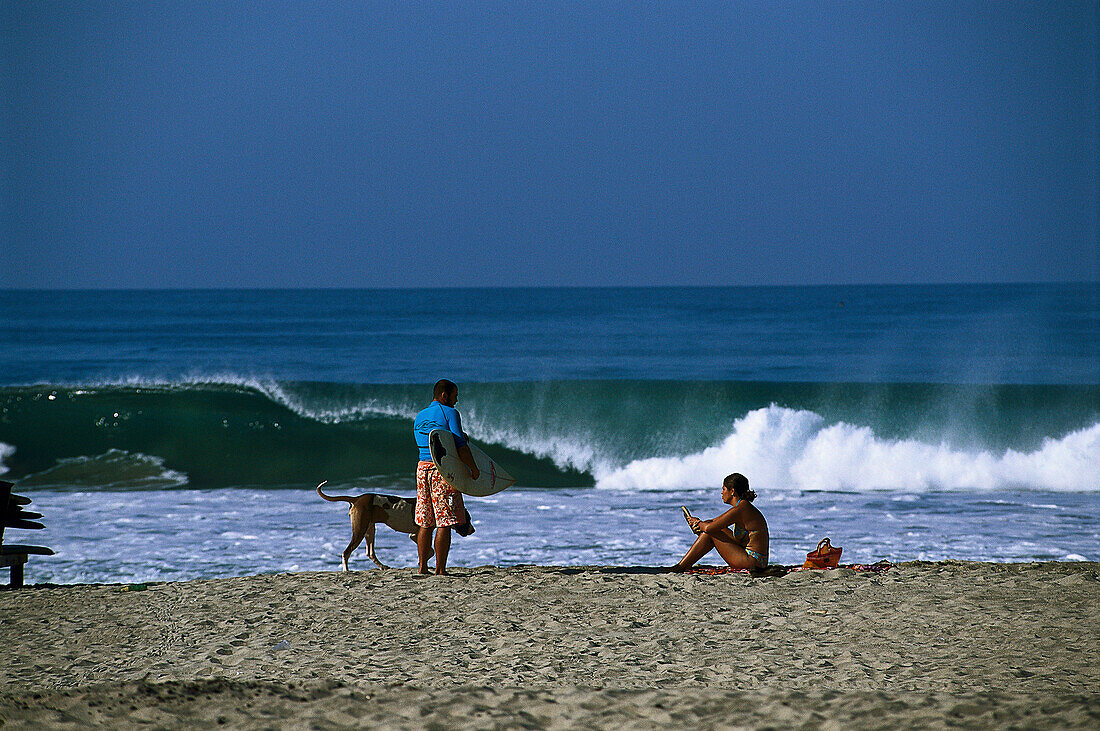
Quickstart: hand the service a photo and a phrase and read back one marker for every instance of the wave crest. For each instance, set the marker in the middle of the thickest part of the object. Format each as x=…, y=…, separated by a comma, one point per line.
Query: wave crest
x=786, y=449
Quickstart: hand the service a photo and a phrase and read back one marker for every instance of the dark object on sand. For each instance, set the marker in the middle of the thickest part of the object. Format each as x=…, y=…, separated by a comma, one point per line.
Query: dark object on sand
x=12, y=515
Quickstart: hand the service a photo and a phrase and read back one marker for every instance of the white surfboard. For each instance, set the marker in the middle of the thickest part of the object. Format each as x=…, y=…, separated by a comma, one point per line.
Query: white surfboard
x=493, y=477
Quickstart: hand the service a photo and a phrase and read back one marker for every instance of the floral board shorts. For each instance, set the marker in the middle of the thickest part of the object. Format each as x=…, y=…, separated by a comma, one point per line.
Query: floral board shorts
x=437, y=503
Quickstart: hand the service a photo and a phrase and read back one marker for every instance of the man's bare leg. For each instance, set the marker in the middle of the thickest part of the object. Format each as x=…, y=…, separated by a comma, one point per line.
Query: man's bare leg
x=442, y=548
x=423, y=547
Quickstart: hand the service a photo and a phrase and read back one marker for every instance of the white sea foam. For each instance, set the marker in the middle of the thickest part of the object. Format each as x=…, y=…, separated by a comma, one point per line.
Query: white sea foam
x=337, y=413
x=108, y=537
x=565, y=451
x=318, y=408
x=785, y=449
x=6, y=450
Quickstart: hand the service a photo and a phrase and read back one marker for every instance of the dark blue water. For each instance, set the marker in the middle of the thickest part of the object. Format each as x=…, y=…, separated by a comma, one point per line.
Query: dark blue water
x=1026, y=334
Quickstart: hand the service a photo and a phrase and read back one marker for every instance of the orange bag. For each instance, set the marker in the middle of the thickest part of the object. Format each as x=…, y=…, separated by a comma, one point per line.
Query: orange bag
x=825, y=556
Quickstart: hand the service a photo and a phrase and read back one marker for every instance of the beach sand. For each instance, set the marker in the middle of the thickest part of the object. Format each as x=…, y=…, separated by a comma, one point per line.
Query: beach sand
x=921, y=645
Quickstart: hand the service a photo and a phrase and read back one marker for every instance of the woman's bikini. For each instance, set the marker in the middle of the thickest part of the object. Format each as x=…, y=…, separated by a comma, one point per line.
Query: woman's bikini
x=739, y=533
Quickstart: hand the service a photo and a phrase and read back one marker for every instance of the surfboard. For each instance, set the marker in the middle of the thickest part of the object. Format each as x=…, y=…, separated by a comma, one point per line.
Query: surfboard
x=493, y=477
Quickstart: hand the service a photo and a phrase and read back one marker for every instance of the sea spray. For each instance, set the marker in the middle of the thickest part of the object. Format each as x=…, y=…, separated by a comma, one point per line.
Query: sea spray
x=790, y=450
x=6, y=450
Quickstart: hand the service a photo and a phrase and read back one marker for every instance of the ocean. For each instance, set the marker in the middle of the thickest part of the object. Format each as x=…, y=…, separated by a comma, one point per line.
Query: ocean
x=170, y=435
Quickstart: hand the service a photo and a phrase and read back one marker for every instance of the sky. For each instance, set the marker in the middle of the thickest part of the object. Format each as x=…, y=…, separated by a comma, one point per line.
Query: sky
x=531, y=144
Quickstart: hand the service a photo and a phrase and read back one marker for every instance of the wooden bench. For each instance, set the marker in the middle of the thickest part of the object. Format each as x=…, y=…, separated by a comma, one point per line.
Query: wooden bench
x=12, y=515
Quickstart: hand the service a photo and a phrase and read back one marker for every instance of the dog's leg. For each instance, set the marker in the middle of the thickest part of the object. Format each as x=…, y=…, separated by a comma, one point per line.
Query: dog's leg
x=360, y=520
x=370, y=546
x=375, y=514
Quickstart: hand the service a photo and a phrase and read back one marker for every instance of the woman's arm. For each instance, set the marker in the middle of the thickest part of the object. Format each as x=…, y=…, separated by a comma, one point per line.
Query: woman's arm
x=715, y=526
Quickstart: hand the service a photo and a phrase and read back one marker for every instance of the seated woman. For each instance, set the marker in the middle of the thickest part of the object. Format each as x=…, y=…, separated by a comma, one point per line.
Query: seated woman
x=744, y=547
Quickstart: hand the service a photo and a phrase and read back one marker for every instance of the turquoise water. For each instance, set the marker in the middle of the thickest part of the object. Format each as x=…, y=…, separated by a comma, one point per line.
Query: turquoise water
x=622, y=434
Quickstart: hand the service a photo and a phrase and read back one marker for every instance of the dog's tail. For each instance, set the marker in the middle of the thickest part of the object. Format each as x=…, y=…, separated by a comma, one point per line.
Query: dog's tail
x=334, y=498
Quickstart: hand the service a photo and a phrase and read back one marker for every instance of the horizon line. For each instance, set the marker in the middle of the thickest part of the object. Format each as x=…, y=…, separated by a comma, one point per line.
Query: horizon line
x=543, y=287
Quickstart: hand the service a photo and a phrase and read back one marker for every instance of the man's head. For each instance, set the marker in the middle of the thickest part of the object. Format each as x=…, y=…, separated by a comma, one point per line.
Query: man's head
x=446, y=392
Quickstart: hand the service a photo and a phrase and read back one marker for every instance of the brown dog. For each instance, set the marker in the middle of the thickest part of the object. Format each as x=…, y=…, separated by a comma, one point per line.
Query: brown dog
x=368, y=509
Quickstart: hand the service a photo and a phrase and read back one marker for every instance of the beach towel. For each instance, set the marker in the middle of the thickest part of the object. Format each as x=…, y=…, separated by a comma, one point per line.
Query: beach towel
x=777, y=570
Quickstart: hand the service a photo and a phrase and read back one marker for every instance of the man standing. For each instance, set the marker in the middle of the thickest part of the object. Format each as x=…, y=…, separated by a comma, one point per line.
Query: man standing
x=438, y=505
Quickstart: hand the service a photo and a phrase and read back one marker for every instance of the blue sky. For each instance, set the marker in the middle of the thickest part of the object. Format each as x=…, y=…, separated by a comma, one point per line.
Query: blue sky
x=538, y=144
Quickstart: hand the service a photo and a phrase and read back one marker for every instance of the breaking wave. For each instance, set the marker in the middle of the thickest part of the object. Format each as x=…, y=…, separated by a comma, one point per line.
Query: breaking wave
x=784, y=449
x=234, y=431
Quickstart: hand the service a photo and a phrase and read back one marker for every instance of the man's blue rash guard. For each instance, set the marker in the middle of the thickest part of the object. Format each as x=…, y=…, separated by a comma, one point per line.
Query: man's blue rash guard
x=436, y=416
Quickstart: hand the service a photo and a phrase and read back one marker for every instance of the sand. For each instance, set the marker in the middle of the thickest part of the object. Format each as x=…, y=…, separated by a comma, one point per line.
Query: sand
x=921, y=645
